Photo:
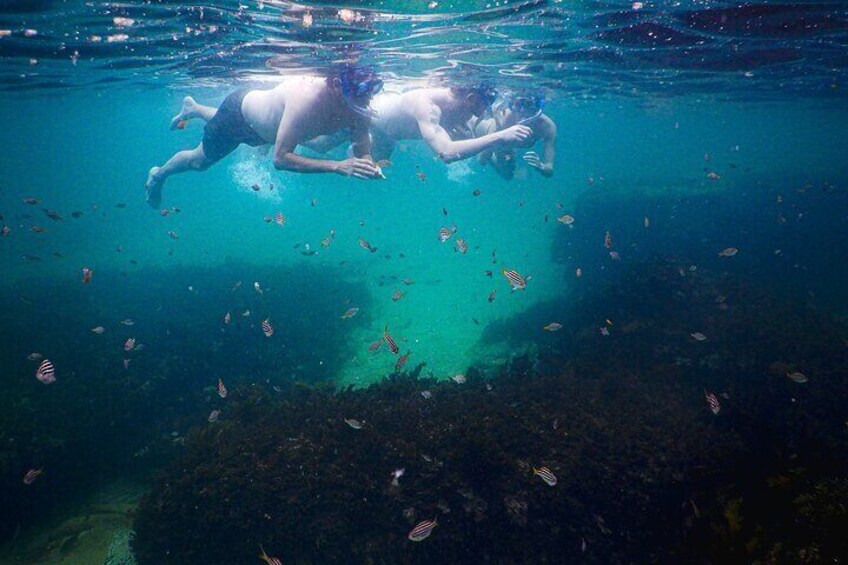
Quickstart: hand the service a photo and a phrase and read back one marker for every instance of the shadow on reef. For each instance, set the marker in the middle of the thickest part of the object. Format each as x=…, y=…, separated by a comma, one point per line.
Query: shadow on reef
x=646, y=472
x=100, y=419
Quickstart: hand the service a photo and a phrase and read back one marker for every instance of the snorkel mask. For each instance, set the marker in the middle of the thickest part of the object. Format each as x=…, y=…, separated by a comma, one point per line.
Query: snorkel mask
x=358, y=85
x=529, y=106
x=487, y=95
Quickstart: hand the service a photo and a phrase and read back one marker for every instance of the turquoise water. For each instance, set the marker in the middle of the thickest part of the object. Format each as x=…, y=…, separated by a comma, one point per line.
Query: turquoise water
x=640, y=125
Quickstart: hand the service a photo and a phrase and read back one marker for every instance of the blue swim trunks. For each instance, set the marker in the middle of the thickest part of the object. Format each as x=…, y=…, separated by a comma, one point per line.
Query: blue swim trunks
x=228, y=128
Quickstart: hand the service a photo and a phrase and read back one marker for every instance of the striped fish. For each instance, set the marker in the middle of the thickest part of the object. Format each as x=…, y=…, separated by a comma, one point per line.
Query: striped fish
x=546, y=475
x=31, y=475
x=461, y=246
x=444, y=234
x=269, y=560
x=515, y=280
x=712, y=402
x=422, y=530
x=129, y=345
x=267, y=329
x=390, y=341
x=46, y=373
x=402, y=361
x=280, y=219
x=222, y=390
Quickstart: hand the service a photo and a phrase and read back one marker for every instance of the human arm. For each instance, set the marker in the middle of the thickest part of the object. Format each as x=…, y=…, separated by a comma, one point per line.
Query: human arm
x=292, y=125
x=548, y=133
x=429, y=116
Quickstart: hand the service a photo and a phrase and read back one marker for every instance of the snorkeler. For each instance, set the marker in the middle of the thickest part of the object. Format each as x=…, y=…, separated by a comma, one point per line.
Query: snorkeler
x=523, y=109
x=297, y=110
x=439, y=117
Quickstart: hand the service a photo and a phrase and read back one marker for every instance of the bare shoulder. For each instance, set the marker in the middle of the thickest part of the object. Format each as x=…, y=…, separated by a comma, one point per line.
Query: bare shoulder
x=422, y=102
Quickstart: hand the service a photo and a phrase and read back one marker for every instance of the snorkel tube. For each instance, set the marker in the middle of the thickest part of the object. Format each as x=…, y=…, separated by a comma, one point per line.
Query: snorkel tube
x=357, y=84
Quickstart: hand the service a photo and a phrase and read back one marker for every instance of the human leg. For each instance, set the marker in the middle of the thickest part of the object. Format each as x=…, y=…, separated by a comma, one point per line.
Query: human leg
x=191, y=109
x=186, y=160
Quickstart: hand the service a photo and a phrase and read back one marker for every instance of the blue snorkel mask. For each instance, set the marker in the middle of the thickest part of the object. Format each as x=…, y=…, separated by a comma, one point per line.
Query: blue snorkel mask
x=359, y=85
x=529, y=106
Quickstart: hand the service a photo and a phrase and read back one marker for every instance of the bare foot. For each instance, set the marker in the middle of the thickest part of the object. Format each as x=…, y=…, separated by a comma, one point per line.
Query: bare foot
x=153, y=186
x=187, y=112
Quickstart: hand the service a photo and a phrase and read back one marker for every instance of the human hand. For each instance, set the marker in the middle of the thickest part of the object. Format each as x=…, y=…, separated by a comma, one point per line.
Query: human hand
x=532, y=159
x=359, y=168
x=516, y=134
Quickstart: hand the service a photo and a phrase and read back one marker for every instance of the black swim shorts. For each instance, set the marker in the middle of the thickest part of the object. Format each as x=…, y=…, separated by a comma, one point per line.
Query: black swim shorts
x=227, y=129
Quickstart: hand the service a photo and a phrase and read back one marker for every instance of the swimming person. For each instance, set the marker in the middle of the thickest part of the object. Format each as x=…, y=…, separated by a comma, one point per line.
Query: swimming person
x=525, y=109
x=298, y=109
x=439, y=116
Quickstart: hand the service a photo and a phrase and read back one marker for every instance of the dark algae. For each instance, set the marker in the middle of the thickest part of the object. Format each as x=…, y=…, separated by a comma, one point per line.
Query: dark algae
x=646, y=473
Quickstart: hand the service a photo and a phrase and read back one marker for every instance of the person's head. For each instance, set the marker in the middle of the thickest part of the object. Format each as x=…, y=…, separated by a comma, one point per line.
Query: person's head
x=479, y=99
x=526, y=106
x=357, y=85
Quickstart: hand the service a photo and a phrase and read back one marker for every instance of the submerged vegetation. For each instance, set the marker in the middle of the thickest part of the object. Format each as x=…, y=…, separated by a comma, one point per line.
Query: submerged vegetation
x=645, y=471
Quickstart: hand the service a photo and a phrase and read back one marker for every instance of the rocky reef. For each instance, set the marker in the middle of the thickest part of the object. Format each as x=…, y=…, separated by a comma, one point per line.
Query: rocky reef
x=646, y=472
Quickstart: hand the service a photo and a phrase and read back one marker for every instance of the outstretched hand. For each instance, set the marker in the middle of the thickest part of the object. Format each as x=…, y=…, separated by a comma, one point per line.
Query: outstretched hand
x=532, y=159
x=359, y=168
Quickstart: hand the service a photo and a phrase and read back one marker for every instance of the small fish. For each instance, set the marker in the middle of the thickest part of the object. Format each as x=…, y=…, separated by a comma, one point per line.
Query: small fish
x=227, y=318
x=38, y=229
x=5, y=231
x=257, y=288
x=35, y=356
x=422, y=530
x=45, y=372
x=32, y=201
x=164, y=212
x=264, y=556
x=222, y=390
x=728, y=252
x=365, y=245
x=53, y=215
x=350, y=313
x=488, y=273
x=326, y=242
x=460, y=245
x=127, y=322
x=552, y=327
x=86, y=274
x=182, y=124
x=99, y=330
x=566, y=219
x=119, y=248
x=173, y=235
x=578, y=272
x=604, y=331
x=390, y=341
x=698, y=336
x=546, y=475
x=797, y=377
x=492, y=296
x=614, y=255
x=476, y=192
x=31, y=475
x=245, y=314
x=397, y=474
x=444, y=211
x=279, y=219
x=607, y=240
x=516, y=281
x=712, y=402
x=267, y=329
x=126, y=363
x=402, y=361
x=476, y=321
x=647, y=222
x=407, y=281
x=426, y=394
x=397, y=295
x=268, y=219
x=376, y=345
x=444, y=234
x=120, y=205
x=256, y=187
x=421, y=176
x=213, y=416
x=353, y=423
x=458, y=378
x=712, y=175
x=129, y=345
